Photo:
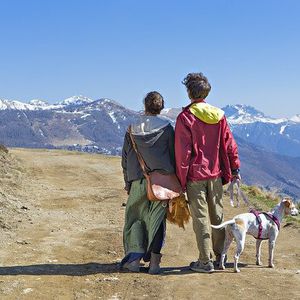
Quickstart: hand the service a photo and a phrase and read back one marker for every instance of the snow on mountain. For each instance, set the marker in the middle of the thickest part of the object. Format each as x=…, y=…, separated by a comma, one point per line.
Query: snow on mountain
x=295, y=118
x=76, y=100
x=245, y=114
x=109, y=104
x=18, y=105
x=38, y=102
x=14, y=105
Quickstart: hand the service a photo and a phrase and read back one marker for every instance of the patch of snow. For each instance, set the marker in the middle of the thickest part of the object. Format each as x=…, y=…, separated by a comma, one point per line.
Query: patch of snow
x=38, y=102
x=41, y=132
x=76, y=100
x=32, y=105
x=295, y=118
x=282, y=128
x=247, y=119
x=244, y=114
x=111, y=114
x=85, y=116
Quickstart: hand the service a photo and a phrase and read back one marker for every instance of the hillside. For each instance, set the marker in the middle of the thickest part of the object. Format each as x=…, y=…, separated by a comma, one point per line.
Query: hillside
x=266, y=169
x=12, y=198
x=69, y=241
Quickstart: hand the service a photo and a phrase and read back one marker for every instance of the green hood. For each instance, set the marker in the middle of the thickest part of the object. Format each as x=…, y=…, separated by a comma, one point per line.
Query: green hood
x=207, y=113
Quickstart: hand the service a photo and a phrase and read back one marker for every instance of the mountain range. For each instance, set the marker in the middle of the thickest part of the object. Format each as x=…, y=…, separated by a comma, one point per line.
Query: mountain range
x=269, y=147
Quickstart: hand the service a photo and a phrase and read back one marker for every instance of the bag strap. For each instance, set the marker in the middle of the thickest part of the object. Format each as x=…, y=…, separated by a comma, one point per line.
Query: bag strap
x=144, y=167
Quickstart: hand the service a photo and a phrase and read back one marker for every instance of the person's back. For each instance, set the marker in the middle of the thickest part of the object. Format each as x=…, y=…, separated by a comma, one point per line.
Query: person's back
x=154, y=137
x=205, y=138
x=206, y=157
x=145, y=220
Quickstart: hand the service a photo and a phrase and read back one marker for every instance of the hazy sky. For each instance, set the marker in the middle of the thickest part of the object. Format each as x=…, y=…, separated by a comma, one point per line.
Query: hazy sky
x=249, y=50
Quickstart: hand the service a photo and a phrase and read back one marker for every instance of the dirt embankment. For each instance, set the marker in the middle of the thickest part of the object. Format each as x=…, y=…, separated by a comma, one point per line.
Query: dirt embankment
x=67, y=241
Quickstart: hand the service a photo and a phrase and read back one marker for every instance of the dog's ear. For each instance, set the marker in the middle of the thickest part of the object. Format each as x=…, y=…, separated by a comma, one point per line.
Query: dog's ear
x=287, y=202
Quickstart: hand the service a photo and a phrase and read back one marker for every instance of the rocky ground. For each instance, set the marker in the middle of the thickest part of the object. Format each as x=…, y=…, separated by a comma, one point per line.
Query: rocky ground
x=61, y=238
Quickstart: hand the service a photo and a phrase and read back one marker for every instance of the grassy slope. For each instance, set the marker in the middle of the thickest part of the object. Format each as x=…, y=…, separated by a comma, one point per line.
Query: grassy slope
x=265, y=201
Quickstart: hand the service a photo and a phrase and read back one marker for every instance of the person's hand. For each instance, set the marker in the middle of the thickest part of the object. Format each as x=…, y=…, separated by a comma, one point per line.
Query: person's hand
x=236, y=175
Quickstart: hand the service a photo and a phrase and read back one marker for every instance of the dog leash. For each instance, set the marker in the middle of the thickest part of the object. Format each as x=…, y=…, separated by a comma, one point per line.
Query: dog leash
x=237, y=182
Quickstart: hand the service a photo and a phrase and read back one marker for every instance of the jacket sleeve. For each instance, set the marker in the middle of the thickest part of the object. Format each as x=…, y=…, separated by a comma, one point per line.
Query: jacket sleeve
x=124, y=161
x=183, y=150
x=231, y=147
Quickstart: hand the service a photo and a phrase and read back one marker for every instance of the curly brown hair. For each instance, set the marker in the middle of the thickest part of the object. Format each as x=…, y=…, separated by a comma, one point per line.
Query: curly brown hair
x=197, y=85
x=154, y=103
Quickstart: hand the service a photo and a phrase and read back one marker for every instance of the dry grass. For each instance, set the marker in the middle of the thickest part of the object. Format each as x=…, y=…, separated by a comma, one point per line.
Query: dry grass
x=3, y=149
x=265, y=200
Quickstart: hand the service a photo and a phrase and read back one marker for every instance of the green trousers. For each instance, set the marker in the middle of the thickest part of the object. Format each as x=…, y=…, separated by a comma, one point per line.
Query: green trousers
x=205, y=201
x=142, y=219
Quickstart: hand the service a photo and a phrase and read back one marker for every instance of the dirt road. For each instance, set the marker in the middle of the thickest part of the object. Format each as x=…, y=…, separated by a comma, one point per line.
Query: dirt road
x=68, y=241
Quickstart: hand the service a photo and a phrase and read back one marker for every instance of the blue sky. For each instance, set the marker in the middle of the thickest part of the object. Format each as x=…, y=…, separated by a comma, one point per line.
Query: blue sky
x=249, y=50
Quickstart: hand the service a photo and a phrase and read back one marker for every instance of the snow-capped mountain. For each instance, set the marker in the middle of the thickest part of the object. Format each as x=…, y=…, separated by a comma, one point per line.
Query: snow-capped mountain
x=76, y=100
x=84, y=124
x=37, y=104
x=77, y=120
x=245, y=114
x=14, y=105
x=279, y=135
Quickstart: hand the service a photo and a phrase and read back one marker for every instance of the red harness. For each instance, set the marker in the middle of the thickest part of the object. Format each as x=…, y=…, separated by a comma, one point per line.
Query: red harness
x=258, y=218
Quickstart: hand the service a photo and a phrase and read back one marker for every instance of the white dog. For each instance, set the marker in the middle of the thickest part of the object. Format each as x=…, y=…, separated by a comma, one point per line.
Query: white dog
x=262, y=226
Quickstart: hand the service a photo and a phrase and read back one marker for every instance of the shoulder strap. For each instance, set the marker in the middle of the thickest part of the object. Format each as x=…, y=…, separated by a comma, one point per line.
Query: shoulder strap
x=145, y=169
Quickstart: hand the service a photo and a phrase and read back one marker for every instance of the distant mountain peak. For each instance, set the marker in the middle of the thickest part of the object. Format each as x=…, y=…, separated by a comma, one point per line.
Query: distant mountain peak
x=38, y=102
x=244, y=114
x=76, y=100
x=13, y=105
x=242, y=109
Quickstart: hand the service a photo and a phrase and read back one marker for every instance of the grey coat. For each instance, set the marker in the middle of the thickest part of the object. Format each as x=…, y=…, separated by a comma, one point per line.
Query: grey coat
x=154, y=136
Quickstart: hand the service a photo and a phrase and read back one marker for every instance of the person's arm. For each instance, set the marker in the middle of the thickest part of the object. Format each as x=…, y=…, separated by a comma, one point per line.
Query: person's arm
x=124, y=161
x=183, y=150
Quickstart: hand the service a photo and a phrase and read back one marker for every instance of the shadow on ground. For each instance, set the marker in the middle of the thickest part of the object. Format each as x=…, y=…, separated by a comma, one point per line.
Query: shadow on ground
x=89, y=269
x=61, y=269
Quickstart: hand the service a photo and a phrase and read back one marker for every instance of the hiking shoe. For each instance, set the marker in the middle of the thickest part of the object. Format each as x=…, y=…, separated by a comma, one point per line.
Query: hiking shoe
x=154, y=267
x=133, y=266
x=200, y=267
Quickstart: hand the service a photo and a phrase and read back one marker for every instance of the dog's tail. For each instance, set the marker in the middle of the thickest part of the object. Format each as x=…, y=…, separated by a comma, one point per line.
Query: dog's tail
x=223, y=224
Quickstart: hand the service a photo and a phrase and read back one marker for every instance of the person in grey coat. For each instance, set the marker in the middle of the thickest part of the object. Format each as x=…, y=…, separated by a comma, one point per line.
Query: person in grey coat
x=145, y=220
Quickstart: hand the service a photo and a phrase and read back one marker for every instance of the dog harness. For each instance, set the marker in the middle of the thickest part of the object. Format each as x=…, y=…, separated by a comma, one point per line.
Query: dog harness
x=258, y=218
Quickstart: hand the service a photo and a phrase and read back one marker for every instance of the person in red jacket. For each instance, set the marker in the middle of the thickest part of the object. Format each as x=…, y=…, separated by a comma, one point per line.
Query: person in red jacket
x=206, y=158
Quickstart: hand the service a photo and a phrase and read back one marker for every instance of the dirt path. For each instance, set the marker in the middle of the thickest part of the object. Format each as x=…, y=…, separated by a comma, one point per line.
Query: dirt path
x=69, y=240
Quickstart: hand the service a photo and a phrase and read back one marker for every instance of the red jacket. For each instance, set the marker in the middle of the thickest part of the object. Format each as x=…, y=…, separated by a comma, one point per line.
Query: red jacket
x=204, y=145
